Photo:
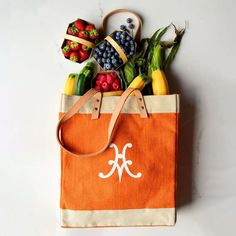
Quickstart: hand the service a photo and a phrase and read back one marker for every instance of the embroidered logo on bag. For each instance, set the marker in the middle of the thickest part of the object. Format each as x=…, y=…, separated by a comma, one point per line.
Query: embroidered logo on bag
x=124, y=166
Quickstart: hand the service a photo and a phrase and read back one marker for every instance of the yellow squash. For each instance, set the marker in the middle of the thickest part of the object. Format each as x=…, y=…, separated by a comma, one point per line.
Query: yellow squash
x=159, y=83
x=112, y=93
x=140, y=82
x=70, y=84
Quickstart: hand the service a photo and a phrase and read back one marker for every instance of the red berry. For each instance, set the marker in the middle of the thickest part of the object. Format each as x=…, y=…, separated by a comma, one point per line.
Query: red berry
x=115, y=86
x=110, y=79
x=113, y=74
x=98, y=87
x=105, y=86
x=66, y=51
x=74, y=56
x=83, y=34
x=85, y=48
x=98, y=82
x=89, y=27
x=72, y=30
x=79, y=24
x=117, y=81
x=75, y=46
x=83, y=55
x=68, y=42
x=101, y=78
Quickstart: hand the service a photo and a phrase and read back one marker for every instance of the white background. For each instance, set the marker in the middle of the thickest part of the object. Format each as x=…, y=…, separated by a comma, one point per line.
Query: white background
x=33, y=72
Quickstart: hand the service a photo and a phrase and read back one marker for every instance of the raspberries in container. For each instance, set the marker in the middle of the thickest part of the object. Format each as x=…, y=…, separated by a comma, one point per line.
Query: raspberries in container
x=107, y=82
x=80, y=39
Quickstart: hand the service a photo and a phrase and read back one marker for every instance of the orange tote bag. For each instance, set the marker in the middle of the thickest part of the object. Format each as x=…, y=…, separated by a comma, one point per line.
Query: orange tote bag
x=118, y=159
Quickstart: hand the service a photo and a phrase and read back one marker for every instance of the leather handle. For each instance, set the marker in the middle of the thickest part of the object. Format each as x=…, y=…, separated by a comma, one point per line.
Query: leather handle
x=113, y=120
x=137, y=36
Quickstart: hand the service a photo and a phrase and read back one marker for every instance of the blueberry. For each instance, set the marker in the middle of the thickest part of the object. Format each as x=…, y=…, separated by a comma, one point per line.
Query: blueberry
x=129, y=20
x=108, y=55
x=107, y=66
x=132, y=49
x=102, y=46
x=114, y=61
x=108, y=60
x=107, y=49
x=131, y=26
x=122, y=27
x=128, y=38
x=122, y=36
x=99, y=60
x=112, y=49
x=127, y=44
x=104, y=54
x=103, y=60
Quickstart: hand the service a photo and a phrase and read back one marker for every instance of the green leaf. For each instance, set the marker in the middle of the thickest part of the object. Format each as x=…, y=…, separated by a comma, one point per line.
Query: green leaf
x=155, y=39
x=175, y=48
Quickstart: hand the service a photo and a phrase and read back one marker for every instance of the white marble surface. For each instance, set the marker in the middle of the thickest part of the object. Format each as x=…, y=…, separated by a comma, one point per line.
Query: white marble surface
x=33, y=73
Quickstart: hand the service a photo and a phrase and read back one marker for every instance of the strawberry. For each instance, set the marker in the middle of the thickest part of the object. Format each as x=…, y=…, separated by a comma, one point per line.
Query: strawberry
x=115, y=86
x=75, y=46
x=85, y=48
x=79, y=24
x=83, y=55
x=74, y=56
x=89, y=27
x=72, y=30
x=105, y=86
x=110, y=79
x=68, y=42
x=83, y=34
x=66, y=51
x=93, y=34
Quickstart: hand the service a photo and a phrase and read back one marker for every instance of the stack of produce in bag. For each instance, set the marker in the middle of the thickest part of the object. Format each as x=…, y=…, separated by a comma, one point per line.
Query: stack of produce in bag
x=120, y=60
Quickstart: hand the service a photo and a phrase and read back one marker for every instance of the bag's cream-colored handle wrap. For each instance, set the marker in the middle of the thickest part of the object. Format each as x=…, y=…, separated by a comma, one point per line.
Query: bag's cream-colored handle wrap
x=137, y=35
x=76, y=107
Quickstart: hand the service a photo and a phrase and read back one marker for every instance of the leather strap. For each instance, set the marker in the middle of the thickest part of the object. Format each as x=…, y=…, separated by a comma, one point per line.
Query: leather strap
x=103, y=27
x=76, y=107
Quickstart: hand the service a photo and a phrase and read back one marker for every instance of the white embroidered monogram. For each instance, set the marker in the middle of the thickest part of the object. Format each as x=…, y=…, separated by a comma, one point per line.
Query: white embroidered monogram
x=121, y=167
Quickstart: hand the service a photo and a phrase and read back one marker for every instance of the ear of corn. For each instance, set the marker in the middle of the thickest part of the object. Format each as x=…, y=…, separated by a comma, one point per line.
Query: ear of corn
x=71, y=84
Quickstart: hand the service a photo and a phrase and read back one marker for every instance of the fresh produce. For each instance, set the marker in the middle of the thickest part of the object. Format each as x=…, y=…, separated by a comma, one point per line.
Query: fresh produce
x=140, y=82
x=115, y=93
x=84, y=34
x=84, y=79
x=107, y=56
x=70, y=85
x=79, y=24
x=75, y=46
x=74, y=56
x=156, y=60
x=66, y=51
x=153, y=56
x=108, y=81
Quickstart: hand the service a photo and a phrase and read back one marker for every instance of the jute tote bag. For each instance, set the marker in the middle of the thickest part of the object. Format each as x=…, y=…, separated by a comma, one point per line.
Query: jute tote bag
x=118, y=159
